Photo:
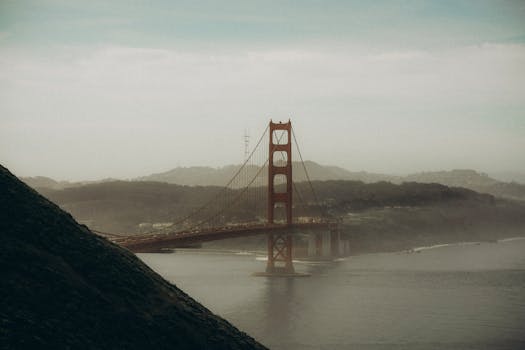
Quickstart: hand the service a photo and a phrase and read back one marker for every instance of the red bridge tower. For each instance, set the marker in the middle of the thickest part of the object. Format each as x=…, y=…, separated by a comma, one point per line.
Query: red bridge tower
x=280, y=245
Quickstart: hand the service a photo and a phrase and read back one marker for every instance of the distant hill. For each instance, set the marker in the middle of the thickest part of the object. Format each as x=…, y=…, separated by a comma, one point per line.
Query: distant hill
x=379, y=216
x=479, y=182
x=47, y=182
x=63, y=287
x=509, y=176
x=473, y=180
x=456, y=178
x=196, y=176
x=121, y=206
x=208, y=176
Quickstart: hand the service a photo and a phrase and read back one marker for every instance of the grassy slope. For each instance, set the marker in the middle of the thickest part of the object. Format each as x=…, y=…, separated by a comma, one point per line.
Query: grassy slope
x=64, y=287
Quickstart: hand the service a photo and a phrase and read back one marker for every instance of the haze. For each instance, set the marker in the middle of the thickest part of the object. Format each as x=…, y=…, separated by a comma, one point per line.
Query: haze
x=108, y=89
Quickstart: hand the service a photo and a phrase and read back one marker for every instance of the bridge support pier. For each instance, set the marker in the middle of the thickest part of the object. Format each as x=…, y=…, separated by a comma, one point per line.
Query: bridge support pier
x=280, y=254
x=335, y=243
x=314, y=245
x=345, y=248
x=324, y=246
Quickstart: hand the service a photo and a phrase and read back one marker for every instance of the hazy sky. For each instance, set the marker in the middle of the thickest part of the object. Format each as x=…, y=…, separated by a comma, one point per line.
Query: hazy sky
x=94, y=89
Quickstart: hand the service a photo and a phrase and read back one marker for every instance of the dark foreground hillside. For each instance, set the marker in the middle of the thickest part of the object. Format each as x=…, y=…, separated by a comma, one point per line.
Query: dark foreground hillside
x=64, y=287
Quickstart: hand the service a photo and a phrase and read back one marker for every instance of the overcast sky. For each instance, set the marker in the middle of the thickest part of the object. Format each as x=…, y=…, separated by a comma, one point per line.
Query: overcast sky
x=95, y=89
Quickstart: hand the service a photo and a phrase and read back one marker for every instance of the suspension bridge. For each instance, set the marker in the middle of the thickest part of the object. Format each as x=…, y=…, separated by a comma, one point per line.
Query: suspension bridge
x=261, y=198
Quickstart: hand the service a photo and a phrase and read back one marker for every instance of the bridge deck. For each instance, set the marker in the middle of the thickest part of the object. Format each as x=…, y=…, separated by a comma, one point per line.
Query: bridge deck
x=148, y=242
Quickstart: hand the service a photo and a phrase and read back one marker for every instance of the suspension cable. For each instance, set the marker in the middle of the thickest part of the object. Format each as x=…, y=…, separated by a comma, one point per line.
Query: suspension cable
x=316, y=199
x=224, y=189
x=243, y=190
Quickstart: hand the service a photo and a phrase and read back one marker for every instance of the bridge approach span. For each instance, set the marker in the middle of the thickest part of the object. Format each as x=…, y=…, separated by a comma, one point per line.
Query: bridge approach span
x=145, y=243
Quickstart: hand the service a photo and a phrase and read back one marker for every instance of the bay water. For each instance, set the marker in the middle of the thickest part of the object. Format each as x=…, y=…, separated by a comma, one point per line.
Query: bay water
x=459, y=296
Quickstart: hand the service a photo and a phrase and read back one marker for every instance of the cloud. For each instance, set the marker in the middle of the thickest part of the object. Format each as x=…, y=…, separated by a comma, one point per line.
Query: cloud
x=485, y=71
x=140, y=102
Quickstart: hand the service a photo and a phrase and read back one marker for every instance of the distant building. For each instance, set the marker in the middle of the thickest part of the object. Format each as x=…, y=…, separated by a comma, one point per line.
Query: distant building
x=161, y=225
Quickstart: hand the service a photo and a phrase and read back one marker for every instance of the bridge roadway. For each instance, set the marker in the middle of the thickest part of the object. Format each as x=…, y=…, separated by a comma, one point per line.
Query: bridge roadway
x=156, y=241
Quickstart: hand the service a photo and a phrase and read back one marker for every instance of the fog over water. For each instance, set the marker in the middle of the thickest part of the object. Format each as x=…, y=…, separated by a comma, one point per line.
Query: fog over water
x=449, y=297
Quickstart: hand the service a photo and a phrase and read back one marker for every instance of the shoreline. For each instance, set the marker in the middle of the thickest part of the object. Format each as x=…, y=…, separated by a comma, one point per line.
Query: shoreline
x=262, y=256
x=443, y=245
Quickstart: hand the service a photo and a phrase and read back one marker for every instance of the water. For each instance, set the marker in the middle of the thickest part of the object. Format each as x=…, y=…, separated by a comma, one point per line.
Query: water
x=450, y=297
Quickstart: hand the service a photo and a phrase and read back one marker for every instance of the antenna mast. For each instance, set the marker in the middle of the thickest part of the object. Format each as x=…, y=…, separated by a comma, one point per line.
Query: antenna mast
x=246, y=144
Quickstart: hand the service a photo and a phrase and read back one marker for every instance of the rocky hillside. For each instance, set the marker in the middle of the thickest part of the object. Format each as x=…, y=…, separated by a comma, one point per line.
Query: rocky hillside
x=63, y=287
